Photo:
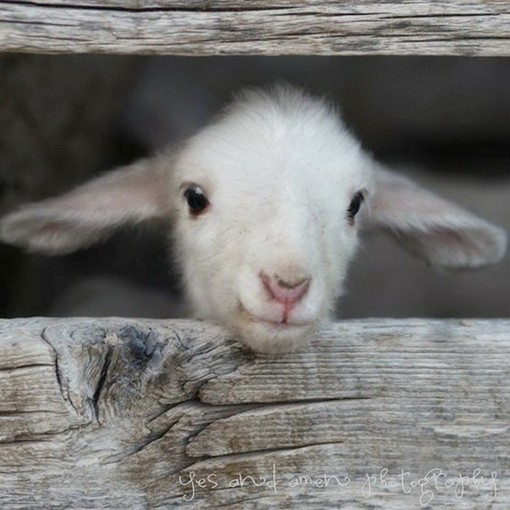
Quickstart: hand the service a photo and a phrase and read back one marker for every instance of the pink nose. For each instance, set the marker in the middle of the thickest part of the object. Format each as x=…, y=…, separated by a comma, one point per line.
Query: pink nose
x=285, y=291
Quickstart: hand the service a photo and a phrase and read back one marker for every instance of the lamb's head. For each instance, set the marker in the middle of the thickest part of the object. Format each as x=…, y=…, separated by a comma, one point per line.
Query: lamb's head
x=265, y=206
x=265, y=224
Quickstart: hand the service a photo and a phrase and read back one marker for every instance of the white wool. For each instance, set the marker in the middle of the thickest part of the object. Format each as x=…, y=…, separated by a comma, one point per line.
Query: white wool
x=280, y=170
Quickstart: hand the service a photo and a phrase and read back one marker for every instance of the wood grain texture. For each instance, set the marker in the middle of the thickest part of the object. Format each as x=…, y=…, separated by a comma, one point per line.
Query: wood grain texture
x=124, y=413
x=221, y=27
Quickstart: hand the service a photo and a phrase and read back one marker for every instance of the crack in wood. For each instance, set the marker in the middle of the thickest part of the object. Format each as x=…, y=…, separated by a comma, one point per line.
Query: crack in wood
x=132, y=451
x=34, y=23
x=243, y=456
x=64, y=388
x=20, y=367
x=23, y=412
x=447, y=15
x=101, y=383
x=134, y=10
x=21, y=440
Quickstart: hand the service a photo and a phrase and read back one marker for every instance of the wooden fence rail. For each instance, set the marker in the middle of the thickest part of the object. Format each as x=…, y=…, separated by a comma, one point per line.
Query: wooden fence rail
x=125, y=413
x=219, y=27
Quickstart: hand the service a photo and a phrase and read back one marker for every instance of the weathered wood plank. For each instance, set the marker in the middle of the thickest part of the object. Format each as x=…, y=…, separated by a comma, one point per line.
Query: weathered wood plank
x=219, y=27
x=123, y=413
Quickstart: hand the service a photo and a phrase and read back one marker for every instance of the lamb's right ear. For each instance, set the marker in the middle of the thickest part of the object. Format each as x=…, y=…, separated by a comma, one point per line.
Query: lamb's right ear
x=90, y=212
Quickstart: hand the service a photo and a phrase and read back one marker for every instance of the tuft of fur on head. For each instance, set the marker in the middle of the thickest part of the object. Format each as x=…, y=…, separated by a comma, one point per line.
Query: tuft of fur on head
x=265, y=205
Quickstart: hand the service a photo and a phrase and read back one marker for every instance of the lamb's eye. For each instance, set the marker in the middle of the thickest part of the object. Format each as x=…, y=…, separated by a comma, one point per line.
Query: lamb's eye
x=355, y=205
x=197, y=201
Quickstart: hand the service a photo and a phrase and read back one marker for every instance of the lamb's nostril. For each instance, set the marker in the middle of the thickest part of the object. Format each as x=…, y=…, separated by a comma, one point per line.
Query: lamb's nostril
x=290, y=284
x=285, y=290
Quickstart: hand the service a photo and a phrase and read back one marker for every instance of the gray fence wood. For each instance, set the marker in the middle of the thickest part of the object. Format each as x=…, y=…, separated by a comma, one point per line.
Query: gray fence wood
x=218, y=27
x=123, y=413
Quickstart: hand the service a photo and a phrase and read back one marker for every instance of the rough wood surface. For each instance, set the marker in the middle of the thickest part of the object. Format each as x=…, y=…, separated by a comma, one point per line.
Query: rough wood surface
x=117, y=413
x=217, y=27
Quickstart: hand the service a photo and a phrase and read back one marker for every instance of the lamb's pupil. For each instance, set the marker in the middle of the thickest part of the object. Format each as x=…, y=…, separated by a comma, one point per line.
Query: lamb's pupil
x=355, y=205
x=196, y=199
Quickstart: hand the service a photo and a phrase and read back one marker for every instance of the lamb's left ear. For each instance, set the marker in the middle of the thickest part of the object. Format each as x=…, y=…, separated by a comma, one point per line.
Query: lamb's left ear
x=90, y=212
x=433, y=228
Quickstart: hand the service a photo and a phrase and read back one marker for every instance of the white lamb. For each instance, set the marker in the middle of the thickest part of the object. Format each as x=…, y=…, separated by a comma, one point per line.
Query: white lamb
x=265, y=205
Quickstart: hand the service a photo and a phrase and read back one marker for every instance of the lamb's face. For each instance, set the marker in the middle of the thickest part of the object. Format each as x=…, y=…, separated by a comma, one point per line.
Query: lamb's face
x=266, y=199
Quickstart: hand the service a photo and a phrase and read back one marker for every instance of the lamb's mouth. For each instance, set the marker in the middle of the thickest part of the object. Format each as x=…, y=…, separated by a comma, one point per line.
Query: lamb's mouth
x=282, y=325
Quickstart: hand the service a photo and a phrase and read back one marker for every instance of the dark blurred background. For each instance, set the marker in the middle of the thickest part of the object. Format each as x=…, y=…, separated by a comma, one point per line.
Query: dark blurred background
x=444, y=121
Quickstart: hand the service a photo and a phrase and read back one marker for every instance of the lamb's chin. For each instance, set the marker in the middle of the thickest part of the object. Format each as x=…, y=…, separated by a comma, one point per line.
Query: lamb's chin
x=268, y=338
